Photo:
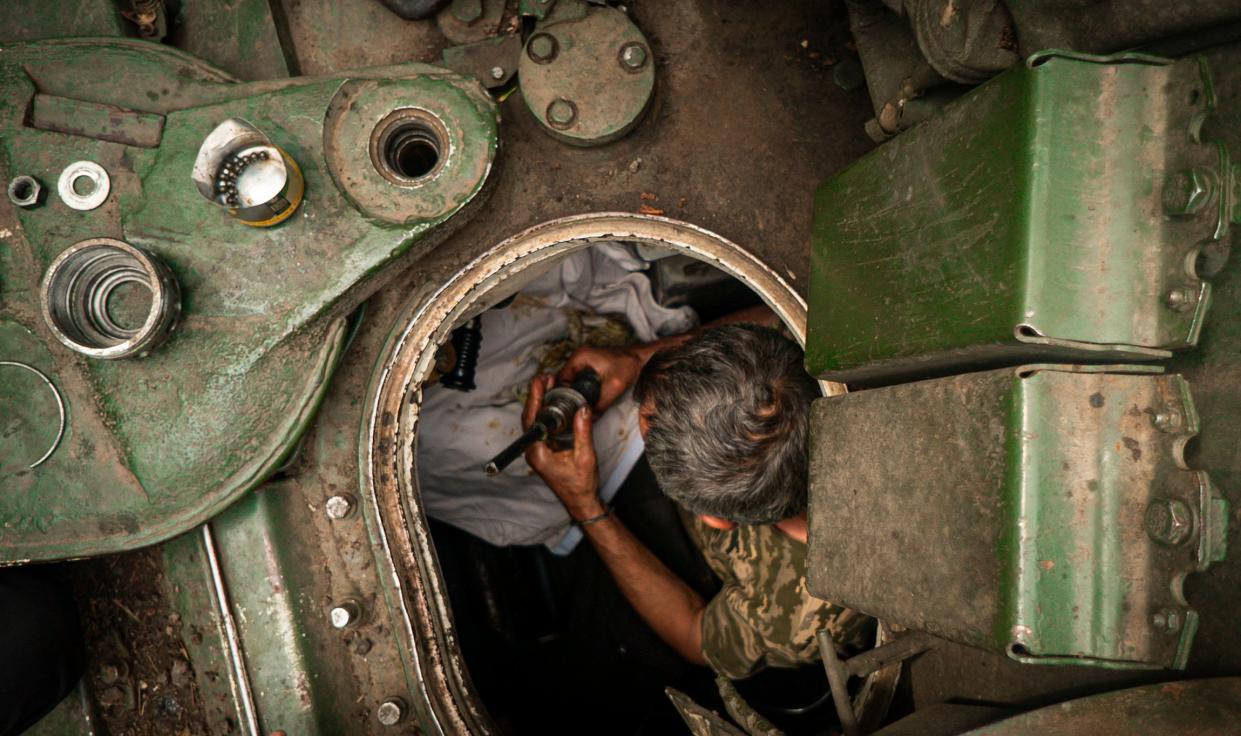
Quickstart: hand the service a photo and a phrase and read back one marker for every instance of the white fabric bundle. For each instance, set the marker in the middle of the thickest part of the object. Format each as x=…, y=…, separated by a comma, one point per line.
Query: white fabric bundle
x=460, y=431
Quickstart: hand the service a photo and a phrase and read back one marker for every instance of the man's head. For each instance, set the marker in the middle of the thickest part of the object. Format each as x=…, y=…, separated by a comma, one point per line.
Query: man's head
x=726, y=416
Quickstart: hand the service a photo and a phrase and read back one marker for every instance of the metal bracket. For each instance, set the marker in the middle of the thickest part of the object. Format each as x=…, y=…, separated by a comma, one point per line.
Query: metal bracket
x=1067, y=210
x=1046, y=512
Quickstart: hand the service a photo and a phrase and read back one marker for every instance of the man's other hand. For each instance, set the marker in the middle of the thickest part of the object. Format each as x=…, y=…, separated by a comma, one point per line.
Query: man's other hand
x=618, y=370
x=573, y=475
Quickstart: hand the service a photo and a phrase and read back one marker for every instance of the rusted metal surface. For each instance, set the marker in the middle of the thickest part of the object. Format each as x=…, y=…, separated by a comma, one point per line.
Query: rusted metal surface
x=1203, y=707
x=493, y=61
x=93, y=120
x=587, y=79
x=698, y=43
x=158, y=445
x=1017, y=511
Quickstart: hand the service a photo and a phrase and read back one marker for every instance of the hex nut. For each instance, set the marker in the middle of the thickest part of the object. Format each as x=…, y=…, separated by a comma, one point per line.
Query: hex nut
x=497, y=73
x=1181, y=299
x=542, y=48
x=339, y=506
x=1187, y=191
x=1169, y=521
x=25, y=191
x=391, y=711
x=345, y=614
x=1167, y=621
x=1167, y=419
x=633, y=57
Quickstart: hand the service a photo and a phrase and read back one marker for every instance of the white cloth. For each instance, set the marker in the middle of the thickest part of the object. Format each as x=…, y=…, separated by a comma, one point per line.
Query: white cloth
x=460, y=431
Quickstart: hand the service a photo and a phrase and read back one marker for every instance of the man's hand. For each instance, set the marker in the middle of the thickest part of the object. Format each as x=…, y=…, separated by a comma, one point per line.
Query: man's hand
x=618, y=370
x=573, y=475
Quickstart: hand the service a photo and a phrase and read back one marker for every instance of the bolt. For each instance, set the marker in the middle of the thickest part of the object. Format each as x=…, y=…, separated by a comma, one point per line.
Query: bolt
x=1187, y=191
x=497, y=73
x=339, y=506
x=633, y=57
x=391, y=711
x=561, y=113
x=1167, y=621
x=1169, y=521
x=1167, y=419
x=542, y=48
x=345, y=614
x=1181, y=299
x=25, y=191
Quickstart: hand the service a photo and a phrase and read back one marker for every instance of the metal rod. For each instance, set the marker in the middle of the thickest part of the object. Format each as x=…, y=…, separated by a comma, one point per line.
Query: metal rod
x=241, y=676
x=894, y=652
x=536, y=433
x=838, y=681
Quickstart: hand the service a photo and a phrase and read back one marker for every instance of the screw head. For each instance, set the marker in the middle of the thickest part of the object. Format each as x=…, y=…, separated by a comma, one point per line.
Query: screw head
x=633, y=56
x=1167, y=419
x=1181, y=298
x=339, y=506
x=1167, y=620
x=1169, y=521
x=561, y=113
x=391, y=711
x=542, y=48
x=497, y=72
x=345, y=614
x=1187, y=191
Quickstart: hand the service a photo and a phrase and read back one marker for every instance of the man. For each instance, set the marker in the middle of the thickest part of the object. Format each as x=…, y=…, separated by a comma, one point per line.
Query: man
x=725, y=416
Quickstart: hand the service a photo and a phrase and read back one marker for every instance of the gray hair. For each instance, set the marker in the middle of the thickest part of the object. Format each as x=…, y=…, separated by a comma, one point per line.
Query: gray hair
x=731, y=414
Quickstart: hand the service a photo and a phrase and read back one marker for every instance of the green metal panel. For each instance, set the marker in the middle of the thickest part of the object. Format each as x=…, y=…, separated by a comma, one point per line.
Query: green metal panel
x=33, y=20
x=1043, y=511
x=157, y=445
x=1045, y=215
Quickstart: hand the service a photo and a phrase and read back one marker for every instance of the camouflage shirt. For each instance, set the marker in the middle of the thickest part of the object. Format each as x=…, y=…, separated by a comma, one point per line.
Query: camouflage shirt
x=764, y=615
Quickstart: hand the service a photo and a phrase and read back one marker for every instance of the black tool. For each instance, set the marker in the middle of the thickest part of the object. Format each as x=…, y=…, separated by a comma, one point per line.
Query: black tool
x=555, y=417
x=467, y=340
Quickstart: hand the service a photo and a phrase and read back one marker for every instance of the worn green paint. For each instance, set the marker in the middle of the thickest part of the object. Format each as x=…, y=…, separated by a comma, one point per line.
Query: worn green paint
x=239, y=36
x=160, y=444
x=1005, y=510
x=34, y=20
x=1022, y=223
x=296, y=667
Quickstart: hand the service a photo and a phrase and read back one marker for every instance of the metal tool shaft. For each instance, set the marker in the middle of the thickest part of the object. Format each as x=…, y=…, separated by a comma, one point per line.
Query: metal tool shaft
x=536, y=433
x=554, y=417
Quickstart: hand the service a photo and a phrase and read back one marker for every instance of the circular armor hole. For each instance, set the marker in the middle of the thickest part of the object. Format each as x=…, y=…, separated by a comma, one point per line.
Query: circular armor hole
x=412, y=150
x=408, y=146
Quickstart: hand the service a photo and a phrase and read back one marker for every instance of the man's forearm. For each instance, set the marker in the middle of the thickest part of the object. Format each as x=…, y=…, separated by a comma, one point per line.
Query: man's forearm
x=669, y=606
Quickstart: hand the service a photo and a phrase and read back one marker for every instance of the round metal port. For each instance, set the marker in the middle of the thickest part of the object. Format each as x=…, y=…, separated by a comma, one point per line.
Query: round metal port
x=409, y=146
x=108, y=299
x=390, y=487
